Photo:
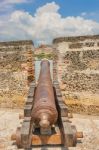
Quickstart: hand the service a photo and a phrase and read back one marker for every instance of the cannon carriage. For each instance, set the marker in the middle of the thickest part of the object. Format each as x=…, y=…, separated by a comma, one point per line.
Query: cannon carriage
x=46, y=117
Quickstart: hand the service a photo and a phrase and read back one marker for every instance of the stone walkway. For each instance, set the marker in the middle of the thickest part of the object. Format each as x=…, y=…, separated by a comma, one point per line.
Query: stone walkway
x=9, y=121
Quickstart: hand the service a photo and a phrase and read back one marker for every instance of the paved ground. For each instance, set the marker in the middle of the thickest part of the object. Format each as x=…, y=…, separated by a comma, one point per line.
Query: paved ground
x=88, y=124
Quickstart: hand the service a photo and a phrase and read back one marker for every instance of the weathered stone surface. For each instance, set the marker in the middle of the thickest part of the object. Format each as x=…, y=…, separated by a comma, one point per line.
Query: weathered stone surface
x=78, y=71
x=13, y=72
x=79, y=82
x=75, y=39
x=81, y=60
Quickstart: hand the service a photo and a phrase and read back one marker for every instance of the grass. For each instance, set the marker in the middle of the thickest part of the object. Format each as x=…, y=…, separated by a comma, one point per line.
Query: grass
x=44, y=55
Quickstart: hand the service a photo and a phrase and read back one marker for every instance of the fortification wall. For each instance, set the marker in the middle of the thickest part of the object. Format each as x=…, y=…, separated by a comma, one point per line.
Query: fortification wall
x=14, y=72
x=78, y=72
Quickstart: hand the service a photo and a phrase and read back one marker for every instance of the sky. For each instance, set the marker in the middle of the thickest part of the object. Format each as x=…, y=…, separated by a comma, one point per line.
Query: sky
x=44, y=20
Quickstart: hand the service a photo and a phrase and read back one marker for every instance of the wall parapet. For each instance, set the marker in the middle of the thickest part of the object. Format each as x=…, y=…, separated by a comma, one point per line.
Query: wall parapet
x=74, y=38
x=16, y=43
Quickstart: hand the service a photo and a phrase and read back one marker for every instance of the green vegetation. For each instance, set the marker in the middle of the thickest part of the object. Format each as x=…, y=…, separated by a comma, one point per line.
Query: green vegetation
x=44, y=55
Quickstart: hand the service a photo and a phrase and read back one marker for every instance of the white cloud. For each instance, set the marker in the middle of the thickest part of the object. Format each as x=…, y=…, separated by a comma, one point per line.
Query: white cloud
x=46, y=24
x=48, y=8
x=91, y=15
x=12, y=1
x=7, y=5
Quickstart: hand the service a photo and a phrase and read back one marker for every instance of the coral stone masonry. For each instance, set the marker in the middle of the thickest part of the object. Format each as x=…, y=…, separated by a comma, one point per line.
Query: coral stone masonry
x=14, y=72
x=75, y=64
x=78, y=72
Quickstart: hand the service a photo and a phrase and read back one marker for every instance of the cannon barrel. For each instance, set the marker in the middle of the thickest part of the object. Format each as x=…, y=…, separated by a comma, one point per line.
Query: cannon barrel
x=44, y=112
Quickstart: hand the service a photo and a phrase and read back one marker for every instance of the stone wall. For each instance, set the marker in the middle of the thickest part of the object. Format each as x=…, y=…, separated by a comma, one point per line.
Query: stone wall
x=76, y=38
x=14, y=72
x=78, y=72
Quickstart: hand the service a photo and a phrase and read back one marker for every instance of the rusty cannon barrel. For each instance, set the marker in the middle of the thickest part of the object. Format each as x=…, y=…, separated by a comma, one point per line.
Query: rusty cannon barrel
x=44, y=112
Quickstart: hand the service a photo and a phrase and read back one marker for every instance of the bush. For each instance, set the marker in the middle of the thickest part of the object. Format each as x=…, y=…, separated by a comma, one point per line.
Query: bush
x=44, y=55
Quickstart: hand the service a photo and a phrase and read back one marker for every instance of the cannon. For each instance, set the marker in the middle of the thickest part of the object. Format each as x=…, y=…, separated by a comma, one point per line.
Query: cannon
x=46, y=117
x=44, y=112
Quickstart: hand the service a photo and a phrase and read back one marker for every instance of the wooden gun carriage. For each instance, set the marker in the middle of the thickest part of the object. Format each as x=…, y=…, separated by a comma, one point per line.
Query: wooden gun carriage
x=46, y=119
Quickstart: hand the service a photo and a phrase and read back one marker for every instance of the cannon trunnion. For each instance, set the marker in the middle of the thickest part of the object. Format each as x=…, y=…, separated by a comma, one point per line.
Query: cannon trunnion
x=46, y=117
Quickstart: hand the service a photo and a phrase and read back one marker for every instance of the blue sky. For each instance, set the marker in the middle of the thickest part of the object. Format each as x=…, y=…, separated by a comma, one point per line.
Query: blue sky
x=43, y=20
x=67, y=7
